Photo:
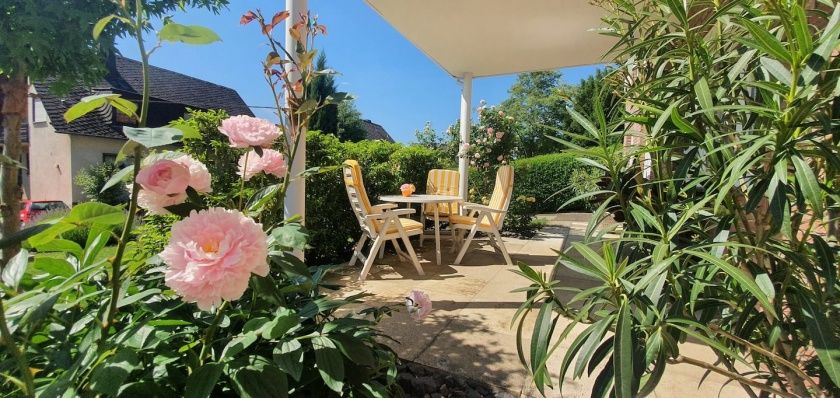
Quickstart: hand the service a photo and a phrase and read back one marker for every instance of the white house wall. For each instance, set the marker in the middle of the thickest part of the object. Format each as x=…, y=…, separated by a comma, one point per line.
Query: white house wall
x=49, y=162
x=87, y=151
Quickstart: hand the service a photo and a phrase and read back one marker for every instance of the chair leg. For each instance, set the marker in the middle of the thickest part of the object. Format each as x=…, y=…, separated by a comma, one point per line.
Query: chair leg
x=422, y=221
x=357, y=250
x=501, y=246
x=381, y=252
x=377, y=243
x=413, y=255
x=400, y=253
x=466, y=244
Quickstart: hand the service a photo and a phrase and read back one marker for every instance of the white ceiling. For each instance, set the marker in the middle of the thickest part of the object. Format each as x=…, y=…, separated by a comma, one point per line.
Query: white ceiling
x=498, y=37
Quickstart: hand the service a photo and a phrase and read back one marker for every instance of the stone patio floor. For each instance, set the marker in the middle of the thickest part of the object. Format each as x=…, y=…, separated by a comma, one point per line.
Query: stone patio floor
x=469, y=331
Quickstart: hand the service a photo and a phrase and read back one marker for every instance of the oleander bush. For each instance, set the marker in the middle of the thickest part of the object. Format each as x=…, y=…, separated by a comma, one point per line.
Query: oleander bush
x=729, y=193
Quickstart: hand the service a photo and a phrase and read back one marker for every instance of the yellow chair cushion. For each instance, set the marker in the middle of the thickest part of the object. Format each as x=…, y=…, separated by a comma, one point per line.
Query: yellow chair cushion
x=466, y=220
x=407, y=224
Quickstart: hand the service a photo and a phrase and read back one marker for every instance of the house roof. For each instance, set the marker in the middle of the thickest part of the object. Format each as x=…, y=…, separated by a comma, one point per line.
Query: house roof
x=499, y=37
x=125, y=77
x=376, y=131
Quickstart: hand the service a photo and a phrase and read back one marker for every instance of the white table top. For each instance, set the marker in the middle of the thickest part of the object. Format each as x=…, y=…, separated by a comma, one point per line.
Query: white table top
x=421, y=198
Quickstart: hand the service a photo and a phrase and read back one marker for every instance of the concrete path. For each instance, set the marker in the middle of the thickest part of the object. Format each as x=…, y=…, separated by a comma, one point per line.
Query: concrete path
x=469, y=332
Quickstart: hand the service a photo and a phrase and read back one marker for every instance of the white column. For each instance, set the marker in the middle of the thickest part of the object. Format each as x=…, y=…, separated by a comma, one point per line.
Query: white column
x=296, y=194
x=466, y=112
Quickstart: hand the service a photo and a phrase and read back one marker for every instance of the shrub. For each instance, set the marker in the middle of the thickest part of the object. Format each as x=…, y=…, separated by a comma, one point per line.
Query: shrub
x=552, y=180
x=91, y=179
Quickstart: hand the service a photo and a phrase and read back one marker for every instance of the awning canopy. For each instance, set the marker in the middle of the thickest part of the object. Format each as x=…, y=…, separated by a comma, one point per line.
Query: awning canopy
x=499, y=37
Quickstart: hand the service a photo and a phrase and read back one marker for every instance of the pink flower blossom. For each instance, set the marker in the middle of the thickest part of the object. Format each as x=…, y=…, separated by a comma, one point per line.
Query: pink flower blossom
x=212, y=254
x=418, y=304
x=164, y=182
x=271, y=162
x=477, y=155
x=246, y=131
x=157, y=203
x=500, y=158
x=165, y=177
x=490, y=131
x=500, y=134
x=486, y=164
x=501, y=113
x=199, y=176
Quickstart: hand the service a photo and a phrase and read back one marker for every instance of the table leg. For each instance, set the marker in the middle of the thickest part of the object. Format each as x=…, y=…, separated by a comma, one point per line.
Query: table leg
x=437, y=234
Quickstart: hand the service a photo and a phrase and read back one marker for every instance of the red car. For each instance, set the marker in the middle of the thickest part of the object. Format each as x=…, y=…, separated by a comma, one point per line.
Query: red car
x=31, y=208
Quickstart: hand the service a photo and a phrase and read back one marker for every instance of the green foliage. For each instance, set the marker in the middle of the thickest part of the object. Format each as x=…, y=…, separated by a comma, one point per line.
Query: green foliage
x=553, y=180
x=326, y=118
x=92, y=179
x=52, y=39
x=213, y=149
x=385, y=166
x=350, y=122
x=729, y=202
x=153, y=232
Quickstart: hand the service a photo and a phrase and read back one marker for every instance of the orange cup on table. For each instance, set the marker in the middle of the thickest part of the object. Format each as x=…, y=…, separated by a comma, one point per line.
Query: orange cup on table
x=407, y=189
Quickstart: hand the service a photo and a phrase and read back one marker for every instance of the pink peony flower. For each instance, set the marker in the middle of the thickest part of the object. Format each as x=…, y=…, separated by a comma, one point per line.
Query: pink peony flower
x=500, y=134
x=419, y=305
x=164, y=182
x=165, y=177
x=157, y=203
x=246, y=131
x=271, y=162
x=199, y=176
x=212, y=254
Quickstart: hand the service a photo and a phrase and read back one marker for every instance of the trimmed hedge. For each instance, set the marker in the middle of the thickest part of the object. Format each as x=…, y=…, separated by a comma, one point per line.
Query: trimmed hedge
x=552, y=180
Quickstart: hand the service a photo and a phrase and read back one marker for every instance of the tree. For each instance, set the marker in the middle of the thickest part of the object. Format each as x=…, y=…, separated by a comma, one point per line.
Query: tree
x=93, y=178
x=350, y=122
x=596, y=87
x=428, y=137
x=51, y=40
x=538, y=102
x=326, y=118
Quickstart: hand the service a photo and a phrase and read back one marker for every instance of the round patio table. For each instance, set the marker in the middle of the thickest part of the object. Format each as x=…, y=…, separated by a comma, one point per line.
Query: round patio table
x=426, y=199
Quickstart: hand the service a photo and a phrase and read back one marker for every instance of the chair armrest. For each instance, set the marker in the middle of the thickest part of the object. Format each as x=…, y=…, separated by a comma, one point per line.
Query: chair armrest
x=386, y=213
x=478, y=207
x=382, y=207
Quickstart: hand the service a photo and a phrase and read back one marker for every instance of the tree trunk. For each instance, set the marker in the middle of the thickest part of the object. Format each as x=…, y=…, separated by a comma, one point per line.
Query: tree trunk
x=13, y=112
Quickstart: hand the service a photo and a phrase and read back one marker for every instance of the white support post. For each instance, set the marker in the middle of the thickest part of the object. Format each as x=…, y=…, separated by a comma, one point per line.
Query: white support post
x=295, y=203
x=466, y=113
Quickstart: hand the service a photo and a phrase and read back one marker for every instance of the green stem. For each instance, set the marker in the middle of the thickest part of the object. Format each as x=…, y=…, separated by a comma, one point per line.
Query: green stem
x=207, y=340
x=116, y=264
x=242, y=179
x=17, y=354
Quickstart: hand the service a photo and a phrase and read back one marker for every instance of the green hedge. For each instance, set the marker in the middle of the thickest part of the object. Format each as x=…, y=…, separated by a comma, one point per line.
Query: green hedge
x=552, y=180
x=385, y=166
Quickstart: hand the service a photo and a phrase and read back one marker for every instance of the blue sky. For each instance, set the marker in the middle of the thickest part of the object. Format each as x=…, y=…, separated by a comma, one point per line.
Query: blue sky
x=395, y=84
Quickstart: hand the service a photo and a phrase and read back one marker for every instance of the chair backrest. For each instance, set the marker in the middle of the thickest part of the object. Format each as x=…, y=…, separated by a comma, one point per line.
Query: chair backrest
x=502, y=192
x=356, y=192
x=442, y=182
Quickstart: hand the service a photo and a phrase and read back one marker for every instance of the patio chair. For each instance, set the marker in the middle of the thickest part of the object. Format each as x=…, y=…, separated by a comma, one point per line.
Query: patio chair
x=379, y=223
x=441, y=182
x=487, y=219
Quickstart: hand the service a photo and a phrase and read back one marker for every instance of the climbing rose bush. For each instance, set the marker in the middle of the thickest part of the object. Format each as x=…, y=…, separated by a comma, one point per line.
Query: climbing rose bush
x=246, y=131
x=212, y=254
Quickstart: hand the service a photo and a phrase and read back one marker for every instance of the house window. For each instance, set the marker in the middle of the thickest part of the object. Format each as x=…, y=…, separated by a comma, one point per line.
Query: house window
x=39, y=114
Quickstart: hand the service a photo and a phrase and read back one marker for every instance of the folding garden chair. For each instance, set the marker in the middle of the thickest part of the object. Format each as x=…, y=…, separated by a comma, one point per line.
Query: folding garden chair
x=487, y=219
x=379, y=223
x=441, y=182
